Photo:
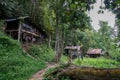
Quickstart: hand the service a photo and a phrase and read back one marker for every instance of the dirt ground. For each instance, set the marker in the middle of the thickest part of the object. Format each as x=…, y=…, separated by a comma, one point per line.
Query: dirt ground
x=39, y=74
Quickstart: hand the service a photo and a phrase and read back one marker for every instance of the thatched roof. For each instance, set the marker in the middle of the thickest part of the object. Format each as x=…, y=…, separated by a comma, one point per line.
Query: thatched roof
x=94, y=51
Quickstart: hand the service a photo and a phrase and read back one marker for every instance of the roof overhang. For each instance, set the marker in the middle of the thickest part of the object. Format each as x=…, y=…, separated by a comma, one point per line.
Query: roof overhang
x=94, y=51
x=8, y=20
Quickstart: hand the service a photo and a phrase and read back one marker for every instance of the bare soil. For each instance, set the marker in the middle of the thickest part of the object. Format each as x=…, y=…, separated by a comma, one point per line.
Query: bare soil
x=39, y=74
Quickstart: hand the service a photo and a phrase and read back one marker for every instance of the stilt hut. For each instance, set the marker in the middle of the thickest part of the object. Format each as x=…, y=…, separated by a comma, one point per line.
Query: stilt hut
x=23, y=30
x=94, y=53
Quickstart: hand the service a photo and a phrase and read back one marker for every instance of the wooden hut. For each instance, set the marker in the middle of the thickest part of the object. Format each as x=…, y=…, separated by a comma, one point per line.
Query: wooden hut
x=23, y=30
x=73, y=51
x=94, y=53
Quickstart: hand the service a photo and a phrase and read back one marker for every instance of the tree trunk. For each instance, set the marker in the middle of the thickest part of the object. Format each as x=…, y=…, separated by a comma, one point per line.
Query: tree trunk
x=57, y=43
x=58, y=9
x=49, y=41
x=62, y=41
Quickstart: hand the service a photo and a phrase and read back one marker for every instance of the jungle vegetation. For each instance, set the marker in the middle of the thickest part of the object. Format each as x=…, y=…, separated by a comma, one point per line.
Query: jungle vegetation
x=65, y=22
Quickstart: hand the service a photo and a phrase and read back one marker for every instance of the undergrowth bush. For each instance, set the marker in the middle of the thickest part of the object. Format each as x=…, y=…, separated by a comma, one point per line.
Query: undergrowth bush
x=100, y=62
x=14, y=63
x=115, y=54
x=63, y=59
x=42, y=52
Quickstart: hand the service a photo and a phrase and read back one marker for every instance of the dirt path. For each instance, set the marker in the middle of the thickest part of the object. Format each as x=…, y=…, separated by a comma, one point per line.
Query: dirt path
x=39, y=74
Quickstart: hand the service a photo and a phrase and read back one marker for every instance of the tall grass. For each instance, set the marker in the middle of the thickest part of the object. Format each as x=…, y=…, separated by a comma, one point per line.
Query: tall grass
x=42, y=52
x=14, y=63
x=100, y=62
x=63, y=59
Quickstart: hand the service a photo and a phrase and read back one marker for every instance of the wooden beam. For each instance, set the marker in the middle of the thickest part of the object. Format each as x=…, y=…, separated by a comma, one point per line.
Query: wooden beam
x=31, y=33
x=10, y=30
x=10, y=33
x=23, y=17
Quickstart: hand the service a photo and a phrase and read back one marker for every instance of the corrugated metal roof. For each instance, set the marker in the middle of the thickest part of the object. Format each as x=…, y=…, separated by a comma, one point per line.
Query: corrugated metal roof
x=94, y=51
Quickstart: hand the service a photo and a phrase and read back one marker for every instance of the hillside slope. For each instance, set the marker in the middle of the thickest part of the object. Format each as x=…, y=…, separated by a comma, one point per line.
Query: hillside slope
x=14, y=63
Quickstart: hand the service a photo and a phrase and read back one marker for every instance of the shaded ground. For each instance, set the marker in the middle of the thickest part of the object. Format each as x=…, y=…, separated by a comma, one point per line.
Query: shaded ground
x=39, y=74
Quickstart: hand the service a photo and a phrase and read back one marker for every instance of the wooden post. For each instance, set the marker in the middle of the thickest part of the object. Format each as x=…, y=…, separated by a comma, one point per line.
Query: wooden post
x=19, y=30
x=69, y=57
x=10, y=34
x=78, y=54
x=5, y=26
x=32, y=41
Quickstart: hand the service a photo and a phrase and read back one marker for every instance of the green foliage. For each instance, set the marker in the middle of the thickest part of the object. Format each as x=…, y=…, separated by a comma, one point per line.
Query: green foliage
x=88, y=68
x=11, y=8
x=97, y=62
x=66, y=16
x=100, y=62
x=115, y=53
x=17, y=65
x=42, y=53
x=105, y=35
x=63, y=59
x=118, y=26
